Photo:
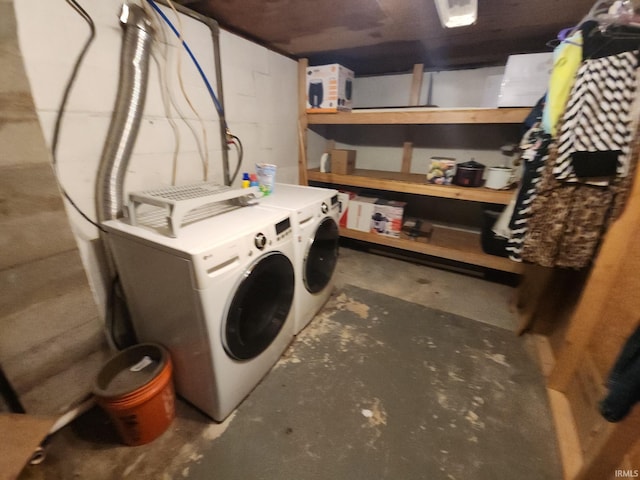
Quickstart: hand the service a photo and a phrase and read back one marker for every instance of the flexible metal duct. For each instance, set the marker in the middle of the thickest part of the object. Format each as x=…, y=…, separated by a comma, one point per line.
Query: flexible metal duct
x=125, y=121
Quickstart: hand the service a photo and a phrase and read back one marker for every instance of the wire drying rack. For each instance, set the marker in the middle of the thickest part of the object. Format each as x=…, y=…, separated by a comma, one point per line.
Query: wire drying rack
x=180, y=205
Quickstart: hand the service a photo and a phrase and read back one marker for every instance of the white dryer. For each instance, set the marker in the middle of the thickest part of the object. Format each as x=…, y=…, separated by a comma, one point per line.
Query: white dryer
x=220, y=297
x=314, y=215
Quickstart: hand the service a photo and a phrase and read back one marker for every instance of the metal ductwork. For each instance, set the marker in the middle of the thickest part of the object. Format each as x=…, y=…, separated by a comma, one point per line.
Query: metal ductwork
x=125, y=121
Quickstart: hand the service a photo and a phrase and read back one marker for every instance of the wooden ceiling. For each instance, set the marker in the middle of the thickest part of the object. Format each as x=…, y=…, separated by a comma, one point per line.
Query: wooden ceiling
x=385, y=36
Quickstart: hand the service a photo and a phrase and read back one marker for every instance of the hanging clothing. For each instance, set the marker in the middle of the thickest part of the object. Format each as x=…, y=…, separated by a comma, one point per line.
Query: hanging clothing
x=566, y=223
x=535, y=145
x=567, y=58
x=598, y=44
x=593, y=141
x=624, y=381
x=568, y=220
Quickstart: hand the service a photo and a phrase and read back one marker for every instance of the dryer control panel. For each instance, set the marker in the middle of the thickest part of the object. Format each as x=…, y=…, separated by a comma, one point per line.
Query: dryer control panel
x=283, y=229
x=225, y=259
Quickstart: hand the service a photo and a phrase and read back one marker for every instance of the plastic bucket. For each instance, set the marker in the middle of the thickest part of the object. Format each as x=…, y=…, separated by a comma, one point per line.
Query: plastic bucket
x=266, y=173
x=135, y=388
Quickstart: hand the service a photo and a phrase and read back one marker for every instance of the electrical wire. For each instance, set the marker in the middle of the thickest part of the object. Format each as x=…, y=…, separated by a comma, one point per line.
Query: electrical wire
x=63, y=104
x=186, y=96
x=167, y=92
x=230, y=139
x=202, y=151
x=167, y=98
x=193, y=58
x=235, y=141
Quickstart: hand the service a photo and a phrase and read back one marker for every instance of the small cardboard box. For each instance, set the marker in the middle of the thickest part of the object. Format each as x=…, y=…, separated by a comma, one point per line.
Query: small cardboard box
x=360, y=213
x=329, y=88
x=441, y=170
x=344, y=198
x=343, y=162
x=387, y=217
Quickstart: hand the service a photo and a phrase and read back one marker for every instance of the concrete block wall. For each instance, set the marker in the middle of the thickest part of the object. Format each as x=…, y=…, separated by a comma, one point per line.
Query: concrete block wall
x=52, y=299
x=51, y=337
x=477, y=87
x=259, y=96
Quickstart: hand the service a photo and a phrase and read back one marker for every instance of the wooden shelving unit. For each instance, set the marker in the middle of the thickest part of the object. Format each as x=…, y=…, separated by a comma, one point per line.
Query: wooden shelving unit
x=410, y=183
x=449, y=243
x=421, y=116
x=457, y=245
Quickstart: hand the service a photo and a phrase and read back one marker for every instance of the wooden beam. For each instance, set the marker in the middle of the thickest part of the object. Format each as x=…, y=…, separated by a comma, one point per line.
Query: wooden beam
x=611, y=290
x=566, y=433
x=416, y=84
x=422, y=116
x=411, y=183
x=303, y=63
x=407, y=153
x=616, y=441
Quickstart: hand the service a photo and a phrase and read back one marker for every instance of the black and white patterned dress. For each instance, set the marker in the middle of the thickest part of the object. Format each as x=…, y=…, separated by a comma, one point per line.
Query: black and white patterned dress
x=597, y=121
x=535, y=146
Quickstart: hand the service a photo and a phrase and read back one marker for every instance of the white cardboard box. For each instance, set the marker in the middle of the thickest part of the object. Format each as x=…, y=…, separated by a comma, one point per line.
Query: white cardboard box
x=329, y=88
x=387, y=217
x=525, y=80
x=360, y=212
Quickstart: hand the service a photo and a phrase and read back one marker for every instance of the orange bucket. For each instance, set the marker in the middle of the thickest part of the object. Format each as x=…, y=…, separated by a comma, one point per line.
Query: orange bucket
x=135, y=388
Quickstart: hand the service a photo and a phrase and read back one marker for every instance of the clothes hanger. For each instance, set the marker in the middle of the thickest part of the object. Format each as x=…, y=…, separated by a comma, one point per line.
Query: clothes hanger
x=564, y=36
x=621, y=21
x=597, y=9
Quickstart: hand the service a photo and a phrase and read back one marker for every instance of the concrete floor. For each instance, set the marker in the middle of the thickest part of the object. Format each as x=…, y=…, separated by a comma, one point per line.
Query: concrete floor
x=465, y=295
x=89, y=448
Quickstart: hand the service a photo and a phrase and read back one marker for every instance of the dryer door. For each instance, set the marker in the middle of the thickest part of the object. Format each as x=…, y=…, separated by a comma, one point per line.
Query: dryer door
x=260, y=306
x=322, y=256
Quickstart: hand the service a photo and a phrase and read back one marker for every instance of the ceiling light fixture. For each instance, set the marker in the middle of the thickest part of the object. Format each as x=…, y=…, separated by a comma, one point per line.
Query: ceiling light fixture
x=457, y=13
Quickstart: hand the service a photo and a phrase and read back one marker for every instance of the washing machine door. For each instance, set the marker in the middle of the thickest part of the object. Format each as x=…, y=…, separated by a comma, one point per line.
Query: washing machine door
x=321, y=256
x=260, y=306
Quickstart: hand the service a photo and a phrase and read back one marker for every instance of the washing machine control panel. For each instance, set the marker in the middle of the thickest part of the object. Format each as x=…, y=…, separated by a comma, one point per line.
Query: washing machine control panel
x=282, y=230
x=260, y=241
x=324, y=208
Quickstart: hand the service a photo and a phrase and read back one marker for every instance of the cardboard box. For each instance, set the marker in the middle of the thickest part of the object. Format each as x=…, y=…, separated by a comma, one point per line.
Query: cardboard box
x=343, y=161
x=525, y=80
x=387, y=217
x=329, y=88
x=21, y=435
x=344, y=198
x=441, y=170
x=360, y=212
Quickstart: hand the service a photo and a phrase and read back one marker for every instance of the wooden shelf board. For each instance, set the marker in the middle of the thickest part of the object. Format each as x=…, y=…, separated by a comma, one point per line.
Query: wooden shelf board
x=457, y=245
x=411, y=183
x=421, y=116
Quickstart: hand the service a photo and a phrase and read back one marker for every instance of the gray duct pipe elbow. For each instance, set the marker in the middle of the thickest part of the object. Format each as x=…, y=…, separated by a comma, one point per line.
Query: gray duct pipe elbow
x=127, y=114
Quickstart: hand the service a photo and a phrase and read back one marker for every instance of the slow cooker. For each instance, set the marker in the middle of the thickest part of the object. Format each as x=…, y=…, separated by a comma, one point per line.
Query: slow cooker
x=469, y=174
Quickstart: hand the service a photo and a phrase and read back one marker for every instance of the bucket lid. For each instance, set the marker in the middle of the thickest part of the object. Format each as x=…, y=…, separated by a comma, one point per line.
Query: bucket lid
x=129, y=370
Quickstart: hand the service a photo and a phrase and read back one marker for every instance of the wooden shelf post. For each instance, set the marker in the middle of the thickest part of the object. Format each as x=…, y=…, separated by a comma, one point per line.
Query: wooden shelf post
x=303, y=63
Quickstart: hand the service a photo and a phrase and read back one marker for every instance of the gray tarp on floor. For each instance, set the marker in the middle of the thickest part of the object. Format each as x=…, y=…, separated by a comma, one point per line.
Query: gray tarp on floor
x=374, y=388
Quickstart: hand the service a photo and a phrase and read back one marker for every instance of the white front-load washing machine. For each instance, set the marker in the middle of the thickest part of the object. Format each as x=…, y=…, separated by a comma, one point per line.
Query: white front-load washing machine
x=314, y=216
x=220, y=297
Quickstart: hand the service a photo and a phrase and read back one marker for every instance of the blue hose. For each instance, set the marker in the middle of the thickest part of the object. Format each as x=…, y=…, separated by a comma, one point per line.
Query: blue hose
x=193, y=58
